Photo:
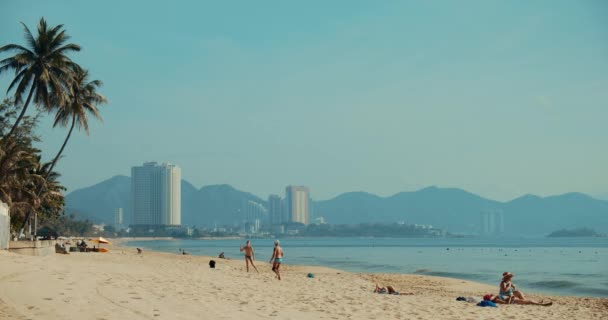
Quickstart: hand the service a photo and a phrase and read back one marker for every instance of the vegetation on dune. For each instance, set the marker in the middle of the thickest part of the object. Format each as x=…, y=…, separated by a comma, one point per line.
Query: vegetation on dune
x=22, y=173
x=44, y=73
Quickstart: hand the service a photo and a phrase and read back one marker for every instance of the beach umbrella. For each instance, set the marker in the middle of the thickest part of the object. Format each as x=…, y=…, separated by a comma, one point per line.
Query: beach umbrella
x=100, y=240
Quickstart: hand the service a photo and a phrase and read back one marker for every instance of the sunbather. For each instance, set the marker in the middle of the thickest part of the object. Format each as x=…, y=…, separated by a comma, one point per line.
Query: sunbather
x=389, y=290
x=507, y=290
x=515, y=300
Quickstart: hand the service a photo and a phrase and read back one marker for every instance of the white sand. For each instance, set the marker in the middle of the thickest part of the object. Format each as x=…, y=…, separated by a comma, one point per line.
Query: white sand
x=124, y=285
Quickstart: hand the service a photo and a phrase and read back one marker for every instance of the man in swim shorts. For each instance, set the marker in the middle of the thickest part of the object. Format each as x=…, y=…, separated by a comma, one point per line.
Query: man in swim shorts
x=277, y=258
x=249, y=255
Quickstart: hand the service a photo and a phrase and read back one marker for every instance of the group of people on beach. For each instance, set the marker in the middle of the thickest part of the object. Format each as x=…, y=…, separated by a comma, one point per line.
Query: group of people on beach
x=276, y=259
x=507, y=293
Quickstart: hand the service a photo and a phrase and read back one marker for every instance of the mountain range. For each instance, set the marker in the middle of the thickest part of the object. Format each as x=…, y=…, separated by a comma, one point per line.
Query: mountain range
x=455, y=210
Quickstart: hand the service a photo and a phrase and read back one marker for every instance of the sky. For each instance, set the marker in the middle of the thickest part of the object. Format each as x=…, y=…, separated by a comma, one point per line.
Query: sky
x=500, y=98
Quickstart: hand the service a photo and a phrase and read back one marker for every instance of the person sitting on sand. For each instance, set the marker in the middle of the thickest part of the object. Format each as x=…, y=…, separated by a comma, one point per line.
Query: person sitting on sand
x=497, y=299
x=249, y=255
x=507, y=290
x=389, y=290
x=222, y=256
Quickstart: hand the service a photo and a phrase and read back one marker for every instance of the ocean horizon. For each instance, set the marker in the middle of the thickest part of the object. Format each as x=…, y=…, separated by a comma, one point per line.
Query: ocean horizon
x=562, y=266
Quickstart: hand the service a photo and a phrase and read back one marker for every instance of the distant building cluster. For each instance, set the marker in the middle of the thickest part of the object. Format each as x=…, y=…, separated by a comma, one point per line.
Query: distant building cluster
x=255, y=214
x=278, y=215
x=156, y=194
x=491, y=223
x=156, y=205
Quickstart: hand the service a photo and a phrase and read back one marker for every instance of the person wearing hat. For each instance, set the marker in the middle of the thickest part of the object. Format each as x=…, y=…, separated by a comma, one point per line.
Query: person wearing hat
x=507, y=289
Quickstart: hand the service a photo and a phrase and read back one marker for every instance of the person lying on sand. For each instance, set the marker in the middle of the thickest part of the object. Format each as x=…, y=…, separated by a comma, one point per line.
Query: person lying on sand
x=389, y=290
x=514, y=300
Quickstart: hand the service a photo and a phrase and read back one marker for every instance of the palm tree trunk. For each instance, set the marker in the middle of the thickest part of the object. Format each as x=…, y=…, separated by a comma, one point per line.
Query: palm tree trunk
x=60, y=150
x=23, y=110
x=65, y=142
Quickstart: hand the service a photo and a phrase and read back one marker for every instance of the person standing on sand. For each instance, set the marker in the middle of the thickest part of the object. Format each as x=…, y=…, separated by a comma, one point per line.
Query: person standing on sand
x=249, y=255
x=277, y=258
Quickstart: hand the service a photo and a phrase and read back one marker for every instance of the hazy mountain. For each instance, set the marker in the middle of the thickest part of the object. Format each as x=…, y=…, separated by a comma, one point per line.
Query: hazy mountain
x=216, y=204
x=531, y=214
x=98, y=202
x=601, y=196
x=219, y=204
x=459, y=211
x=453, y=209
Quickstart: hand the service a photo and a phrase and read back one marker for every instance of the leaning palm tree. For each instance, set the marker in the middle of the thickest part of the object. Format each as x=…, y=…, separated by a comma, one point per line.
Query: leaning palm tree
x=42, y=66
x=82, y=101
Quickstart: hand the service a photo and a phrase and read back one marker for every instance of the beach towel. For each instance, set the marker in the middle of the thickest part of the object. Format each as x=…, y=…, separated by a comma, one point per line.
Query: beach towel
x=487, y=303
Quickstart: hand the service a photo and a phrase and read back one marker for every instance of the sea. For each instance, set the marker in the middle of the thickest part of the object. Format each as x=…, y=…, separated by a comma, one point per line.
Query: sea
x=558, y=266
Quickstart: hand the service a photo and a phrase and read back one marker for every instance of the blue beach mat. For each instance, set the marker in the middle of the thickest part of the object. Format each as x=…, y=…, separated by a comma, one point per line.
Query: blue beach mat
x=487, y=303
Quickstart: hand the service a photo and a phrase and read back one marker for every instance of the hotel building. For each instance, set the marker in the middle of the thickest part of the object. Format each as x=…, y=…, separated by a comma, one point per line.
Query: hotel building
x=297, y=203
x=156, y=194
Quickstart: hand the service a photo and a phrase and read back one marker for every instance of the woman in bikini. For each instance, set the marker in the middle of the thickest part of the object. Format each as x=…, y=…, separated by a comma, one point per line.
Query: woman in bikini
x=508, y=294
x=507, y=290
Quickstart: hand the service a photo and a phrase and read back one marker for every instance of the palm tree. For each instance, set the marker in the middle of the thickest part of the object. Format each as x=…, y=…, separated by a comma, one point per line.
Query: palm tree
x=43, y=66
x=17, y=177
x=82, y=100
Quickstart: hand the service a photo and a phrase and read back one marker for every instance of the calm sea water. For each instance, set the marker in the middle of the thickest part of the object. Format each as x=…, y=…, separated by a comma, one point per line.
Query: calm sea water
x=565, y=266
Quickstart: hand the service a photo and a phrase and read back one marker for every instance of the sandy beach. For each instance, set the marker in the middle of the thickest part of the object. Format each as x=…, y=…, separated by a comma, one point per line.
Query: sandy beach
x=124, y=285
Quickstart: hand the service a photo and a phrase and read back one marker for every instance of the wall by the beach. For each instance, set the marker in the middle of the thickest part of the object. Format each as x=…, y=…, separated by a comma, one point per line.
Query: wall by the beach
x=5, y=226
x=33, y=248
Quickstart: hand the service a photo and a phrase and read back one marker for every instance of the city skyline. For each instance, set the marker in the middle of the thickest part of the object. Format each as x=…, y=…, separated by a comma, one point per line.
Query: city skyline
x=500, y=99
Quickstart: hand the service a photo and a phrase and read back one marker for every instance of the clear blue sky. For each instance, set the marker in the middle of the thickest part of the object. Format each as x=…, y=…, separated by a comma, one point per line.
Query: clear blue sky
x=501, y=98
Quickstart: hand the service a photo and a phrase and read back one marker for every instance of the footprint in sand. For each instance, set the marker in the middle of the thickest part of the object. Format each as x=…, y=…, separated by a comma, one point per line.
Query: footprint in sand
x=49, y=299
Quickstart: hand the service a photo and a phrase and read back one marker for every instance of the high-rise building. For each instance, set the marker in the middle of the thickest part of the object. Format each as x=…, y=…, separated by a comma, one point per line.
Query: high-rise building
x=297, y=203
x=156, y=194
x=492, y=222
x=275, y=210
x=255, y=214
x=118, y=218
